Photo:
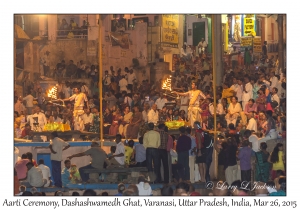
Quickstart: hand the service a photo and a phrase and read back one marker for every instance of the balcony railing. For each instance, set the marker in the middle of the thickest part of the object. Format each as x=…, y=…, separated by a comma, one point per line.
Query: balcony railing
x=72, y=34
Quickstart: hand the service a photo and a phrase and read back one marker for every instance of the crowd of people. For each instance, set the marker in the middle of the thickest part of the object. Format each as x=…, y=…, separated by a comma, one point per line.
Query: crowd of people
x=251, y=107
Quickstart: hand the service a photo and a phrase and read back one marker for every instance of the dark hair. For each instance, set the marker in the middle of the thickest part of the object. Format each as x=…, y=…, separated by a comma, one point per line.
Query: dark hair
x=29, y=164
x=280, y=173
x=264, y=145
x=231, y=126
x=184, y=186
x=104, y=194
x=252, y=100
x=151, y=126
x=24, y=156
x=282, y=182
x=247, y=133
x=238, y=185
x=182, y=129
x=270, y=184
x=166, y=129
x=141, y=178
x=166, y=190
x=245, y=143
x=131, y=143
x=188, y=130
x=89, y=192
x=75, y=194
x=58, y=193
x=161, y=126
x=27, y=193
x=276, y=89
x=233, y=97
x=121, y=187
x=41, y=161
x=67, y=161
x=119, y=136
x=54, y=134
x=141, y=139
x=29, y=156
x=269, y=113
x=274, y=155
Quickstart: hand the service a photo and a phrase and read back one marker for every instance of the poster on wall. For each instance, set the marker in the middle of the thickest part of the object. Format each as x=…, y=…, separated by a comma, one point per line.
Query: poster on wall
x=249, y=21
x=170, y=25
x=118, y=39
x=246, y=41
x=257, y=45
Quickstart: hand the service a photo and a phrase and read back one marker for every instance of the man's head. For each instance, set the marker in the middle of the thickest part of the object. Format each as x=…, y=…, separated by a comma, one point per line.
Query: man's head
x=27, y=127
x=197, y=125
x=131, y=143
x=274, y=90
x=24, y=156
x=67, y=164
x=154, y=107
x=54, y=134
x=250, y=115
x=161, y=126
x=247, y=134
x=95, y=144
x=182, y=189
x=37, y=109
x=89, y=192
x=121, y=188
x=136, y=109
x=194, y=86
x=87, y=111
x=182, y=130
x=141, y=178
x=76, y=90
x=118, y=138
x=150, y=126
x=41, y=162
x=188, y=130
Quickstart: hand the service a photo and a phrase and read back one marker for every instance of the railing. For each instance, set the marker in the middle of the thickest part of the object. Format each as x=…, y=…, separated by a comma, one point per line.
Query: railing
x=72, y=34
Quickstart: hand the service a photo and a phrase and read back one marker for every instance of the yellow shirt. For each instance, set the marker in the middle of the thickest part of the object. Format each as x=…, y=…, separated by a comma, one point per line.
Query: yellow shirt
x=128, y=153
x=279, y=165
x=227, y=94
x=151, y=139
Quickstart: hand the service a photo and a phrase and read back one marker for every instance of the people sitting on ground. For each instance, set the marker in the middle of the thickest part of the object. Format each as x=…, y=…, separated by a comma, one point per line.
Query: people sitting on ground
x=34, y=177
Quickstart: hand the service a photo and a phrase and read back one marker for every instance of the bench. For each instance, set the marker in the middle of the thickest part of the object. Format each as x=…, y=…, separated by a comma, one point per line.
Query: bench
x=131, y=174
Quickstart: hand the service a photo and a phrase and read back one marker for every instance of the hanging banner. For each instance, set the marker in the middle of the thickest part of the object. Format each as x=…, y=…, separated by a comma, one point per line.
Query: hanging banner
x=257, y=44
x=249, y=21
x=246, y=41
x=170, y=25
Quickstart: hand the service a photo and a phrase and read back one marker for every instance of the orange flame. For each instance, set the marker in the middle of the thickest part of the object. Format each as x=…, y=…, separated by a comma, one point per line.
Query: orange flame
x=52, y=93
x=167, y=84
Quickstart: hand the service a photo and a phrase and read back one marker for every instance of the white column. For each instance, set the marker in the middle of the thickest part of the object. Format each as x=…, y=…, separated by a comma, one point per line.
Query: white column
x=52, y=27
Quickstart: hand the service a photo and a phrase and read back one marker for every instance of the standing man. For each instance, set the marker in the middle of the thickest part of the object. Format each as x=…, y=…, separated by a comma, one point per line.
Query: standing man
x=202, y=46
x=192, y=154
x=106, y=81
x=29, y=102
x=57, y=146
x=247, y=91
x=194, y=109
x=163, y=154
x=184, y=144
x=79, y=98
x=264, y=49
x=131, y=80
x=234, y=58
x=151, y=144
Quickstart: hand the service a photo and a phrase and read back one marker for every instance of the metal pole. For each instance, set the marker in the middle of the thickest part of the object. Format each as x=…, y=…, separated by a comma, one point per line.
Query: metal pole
x=100, y=79
x=214, y=57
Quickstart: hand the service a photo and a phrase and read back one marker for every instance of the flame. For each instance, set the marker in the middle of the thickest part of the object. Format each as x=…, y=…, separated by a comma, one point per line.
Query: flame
x=53, y=93
x=167, y=84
